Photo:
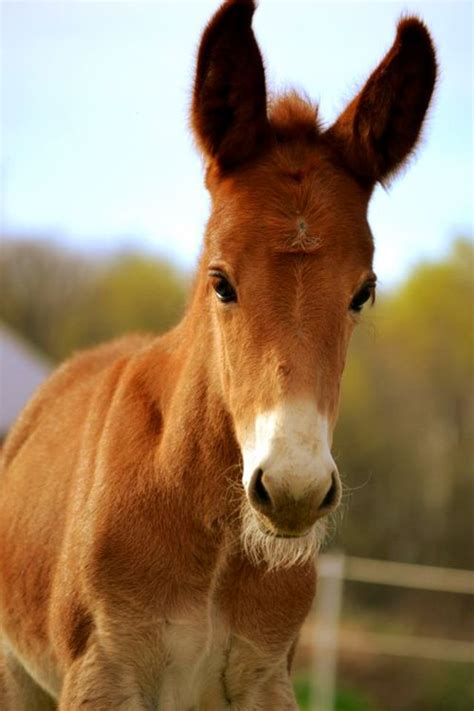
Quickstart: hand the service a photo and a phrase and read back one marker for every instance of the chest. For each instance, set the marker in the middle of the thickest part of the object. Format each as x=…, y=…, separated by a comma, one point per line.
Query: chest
x=206, y=665
x=231, y=651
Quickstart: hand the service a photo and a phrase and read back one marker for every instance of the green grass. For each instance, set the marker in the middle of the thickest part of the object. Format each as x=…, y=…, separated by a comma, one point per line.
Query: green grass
x=346, y=699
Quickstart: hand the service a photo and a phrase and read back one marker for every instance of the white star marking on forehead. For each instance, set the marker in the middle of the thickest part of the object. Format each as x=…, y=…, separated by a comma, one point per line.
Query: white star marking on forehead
x=302, y=239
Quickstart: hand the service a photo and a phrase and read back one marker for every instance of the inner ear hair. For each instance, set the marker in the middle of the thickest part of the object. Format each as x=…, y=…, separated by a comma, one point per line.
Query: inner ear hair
x=379, y=129
x=229, y=107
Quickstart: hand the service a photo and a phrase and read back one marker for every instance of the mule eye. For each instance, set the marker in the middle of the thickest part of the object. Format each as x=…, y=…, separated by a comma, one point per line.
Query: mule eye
x=363, y=295
x=225, y=292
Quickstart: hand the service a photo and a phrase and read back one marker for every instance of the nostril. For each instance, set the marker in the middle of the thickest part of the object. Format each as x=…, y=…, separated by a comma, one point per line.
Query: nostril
x=258, y=493
x=331, y=496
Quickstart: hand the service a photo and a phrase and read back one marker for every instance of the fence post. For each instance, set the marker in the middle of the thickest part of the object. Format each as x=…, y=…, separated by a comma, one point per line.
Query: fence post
x=328, y=611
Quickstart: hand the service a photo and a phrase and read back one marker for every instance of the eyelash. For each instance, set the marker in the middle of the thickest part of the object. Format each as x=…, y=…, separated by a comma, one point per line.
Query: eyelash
x=362, y=296
x=224, y=290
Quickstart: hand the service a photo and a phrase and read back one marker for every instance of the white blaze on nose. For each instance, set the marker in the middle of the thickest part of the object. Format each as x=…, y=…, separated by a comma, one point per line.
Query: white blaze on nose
x=291, y=444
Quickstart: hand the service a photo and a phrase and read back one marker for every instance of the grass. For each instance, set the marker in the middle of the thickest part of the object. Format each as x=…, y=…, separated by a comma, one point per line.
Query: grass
x=346, y=699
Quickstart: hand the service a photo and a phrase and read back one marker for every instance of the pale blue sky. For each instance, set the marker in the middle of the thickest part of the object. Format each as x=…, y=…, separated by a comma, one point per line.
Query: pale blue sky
x=95, y=145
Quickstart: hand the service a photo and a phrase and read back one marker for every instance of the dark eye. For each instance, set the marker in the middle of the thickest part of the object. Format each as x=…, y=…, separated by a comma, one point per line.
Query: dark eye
x=225, y=292
x=363, y=295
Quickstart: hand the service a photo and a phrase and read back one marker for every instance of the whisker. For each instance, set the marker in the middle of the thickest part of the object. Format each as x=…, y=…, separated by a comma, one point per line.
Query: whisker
x=349, y=489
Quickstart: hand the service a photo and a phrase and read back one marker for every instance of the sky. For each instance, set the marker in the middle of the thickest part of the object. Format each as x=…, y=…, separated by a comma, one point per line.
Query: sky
x=95, y=144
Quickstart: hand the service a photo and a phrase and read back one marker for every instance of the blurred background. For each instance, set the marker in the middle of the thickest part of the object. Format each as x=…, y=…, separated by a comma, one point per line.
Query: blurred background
x=103, y=210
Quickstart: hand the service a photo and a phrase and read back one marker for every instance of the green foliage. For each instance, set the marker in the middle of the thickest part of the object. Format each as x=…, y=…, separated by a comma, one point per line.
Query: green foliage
x=351, y=700
x=347, y=699
x=129, y=293
x=61, y=301
x=43, y=290
x=404, y=438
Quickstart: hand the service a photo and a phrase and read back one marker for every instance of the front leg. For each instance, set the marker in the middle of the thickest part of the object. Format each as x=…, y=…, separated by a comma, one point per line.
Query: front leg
x=18, y=690
x=278, y=693
x=98, y=682
x=257, y=679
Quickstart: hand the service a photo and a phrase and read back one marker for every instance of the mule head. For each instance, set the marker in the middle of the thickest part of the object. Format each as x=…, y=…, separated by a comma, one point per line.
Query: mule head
x=287, y=263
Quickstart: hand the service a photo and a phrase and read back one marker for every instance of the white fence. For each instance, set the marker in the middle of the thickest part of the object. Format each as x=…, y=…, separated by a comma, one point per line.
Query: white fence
x=333, y=570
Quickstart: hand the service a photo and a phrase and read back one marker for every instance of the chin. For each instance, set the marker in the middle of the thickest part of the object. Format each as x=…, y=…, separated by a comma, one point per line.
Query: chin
x=278, y=549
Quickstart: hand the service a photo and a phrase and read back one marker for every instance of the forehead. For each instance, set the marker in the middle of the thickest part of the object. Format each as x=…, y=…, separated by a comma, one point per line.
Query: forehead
x=295, y=201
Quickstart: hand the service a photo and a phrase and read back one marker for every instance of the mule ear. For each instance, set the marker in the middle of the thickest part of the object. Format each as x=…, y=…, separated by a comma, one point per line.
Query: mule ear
x=229, y=107
x=380, y=127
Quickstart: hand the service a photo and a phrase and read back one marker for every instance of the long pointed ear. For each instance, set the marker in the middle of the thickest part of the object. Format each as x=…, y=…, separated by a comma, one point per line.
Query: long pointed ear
x=379, y=129
x=229, y=108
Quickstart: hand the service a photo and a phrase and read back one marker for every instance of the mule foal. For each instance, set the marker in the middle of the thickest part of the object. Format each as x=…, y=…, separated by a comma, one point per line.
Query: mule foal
x=162, y=499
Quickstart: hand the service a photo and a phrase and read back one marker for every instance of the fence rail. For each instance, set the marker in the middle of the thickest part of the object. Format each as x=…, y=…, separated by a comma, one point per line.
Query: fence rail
x=442, y=649
x=333, y=570
x=423, y=577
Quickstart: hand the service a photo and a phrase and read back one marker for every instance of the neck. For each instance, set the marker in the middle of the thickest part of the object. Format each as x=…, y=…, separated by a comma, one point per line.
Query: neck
x=198, y=452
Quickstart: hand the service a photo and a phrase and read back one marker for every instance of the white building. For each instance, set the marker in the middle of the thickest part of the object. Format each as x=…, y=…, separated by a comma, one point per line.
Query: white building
x=21, y=371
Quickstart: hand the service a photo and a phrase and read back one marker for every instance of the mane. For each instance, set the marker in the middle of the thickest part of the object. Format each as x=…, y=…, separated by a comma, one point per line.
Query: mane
x=294, y=117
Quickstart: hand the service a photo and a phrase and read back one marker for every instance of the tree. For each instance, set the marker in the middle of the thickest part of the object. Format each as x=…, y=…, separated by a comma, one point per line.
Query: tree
x=131, y=293
x=407, y=424
x=42, y=289
x=61, y=301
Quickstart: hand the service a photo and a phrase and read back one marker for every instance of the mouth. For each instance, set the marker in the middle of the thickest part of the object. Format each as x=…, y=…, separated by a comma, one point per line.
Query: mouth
x=274, y=547
x=268, y=529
